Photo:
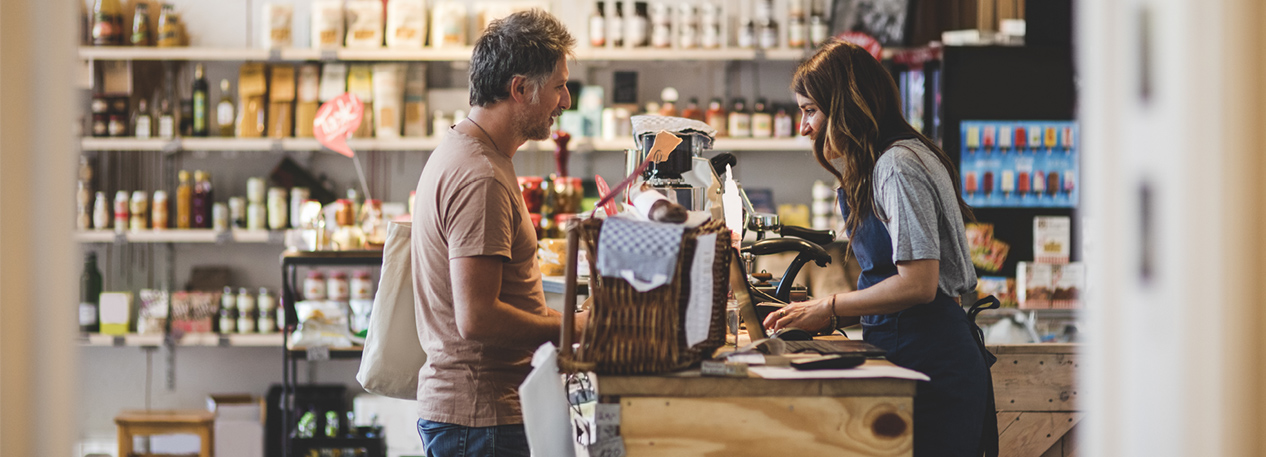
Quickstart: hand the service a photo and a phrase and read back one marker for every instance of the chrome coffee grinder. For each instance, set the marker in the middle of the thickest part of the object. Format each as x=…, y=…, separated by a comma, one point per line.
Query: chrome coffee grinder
x=685, y=176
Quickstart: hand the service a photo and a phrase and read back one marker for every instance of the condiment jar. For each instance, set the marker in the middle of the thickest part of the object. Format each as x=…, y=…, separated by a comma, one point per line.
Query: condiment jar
x=277, y=208
x=140, y=210
x=337, y=287
x=228, y=312
x=267, y=311
x=362, y=285
x=159, y=211
x=120, y=211
x=100, y=213
x=314, y=286
x=245, y=311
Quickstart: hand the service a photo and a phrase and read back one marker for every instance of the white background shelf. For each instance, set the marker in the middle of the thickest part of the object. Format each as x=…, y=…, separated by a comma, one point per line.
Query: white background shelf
x=190, y=339
x=404, y=144
x=181, y=236
x=420, y=55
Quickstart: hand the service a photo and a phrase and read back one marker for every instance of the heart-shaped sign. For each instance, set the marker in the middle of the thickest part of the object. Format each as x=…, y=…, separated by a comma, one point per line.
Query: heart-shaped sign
x=336, y=120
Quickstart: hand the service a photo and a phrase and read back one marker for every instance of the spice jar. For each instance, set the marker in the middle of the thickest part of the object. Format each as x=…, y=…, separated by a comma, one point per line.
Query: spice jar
x=362, y=285
x=314, y=286
x=337, y=287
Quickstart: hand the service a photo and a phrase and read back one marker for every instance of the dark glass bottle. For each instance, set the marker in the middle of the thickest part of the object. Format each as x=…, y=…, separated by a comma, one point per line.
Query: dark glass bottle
x=202, y=200
x=201, y=102
x=89, y=295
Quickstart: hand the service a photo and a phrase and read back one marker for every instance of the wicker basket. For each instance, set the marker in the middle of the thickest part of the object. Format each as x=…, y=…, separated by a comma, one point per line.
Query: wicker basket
x=631, y=332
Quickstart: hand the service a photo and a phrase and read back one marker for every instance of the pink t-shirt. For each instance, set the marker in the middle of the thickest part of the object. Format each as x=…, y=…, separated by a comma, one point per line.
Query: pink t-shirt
x=468, y=204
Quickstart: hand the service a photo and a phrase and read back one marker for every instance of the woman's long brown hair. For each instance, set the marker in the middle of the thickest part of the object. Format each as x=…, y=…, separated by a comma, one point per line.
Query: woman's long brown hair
x=863, y=109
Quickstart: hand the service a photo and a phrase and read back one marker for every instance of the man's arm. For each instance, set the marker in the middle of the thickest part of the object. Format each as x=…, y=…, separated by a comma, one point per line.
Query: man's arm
x=482, y=317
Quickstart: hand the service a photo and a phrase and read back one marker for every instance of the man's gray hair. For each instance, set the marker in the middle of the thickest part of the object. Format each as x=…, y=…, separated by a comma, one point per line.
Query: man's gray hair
x=527, y=44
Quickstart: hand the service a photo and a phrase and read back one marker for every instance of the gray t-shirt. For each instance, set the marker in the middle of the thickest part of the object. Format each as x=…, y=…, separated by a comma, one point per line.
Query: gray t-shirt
x=916, y=196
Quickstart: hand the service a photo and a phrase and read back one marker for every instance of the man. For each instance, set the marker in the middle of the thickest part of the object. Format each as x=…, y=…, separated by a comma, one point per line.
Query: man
x=481, y=308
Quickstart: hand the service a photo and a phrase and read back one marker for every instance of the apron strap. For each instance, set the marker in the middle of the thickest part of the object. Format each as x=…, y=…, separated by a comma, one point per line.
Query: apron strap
x=989, y=430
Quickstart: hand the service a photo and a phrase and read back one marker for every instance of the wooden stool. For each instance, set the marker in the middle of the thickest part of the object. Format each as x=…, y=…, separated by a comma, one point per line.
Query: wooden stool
x=148, y=423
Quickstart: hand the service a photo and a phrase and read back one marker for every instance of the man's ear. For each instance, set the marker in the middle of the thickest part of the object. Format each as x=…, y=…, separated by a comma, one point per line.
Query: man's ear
x=518, y=89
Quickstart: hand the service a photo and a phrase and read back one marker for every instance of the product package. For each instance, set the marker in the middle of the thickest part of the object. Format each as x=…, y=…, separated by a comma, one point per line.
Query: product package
x=1052, y=239
x=987, y=252
x=278, y=20
x=282, y=98
x=388, y=84
x=364, y=24
x=1045, y=286
x=1001, y=287
x=448, y=24
x=116, y=313
x=406, y=23
x=333, y=81
x=306, y=100
x=415, y=100
x=151, y=318
x=360, y=84
x=192, y=312
x=327, y=24
x=252, y=101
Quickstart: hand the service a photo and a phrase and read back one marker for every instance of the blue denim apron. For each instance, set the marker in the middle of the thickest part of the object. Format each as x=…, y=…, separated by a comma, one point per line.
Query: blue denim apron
x=936, y=339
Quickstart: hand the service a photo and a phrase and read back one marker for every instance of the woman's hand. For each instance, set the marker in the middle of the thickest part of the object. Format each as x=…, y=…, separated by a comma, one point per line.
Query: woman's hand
x=813, y=315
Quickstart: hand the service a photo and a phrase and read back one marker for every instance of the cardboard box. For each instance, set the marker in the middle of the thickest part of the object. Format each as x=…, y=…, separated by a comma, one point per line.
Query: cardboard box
x=281, y=97
x=360, y=83
x=252, y=100
x=1046, y=286
x=1052, y=239
x=306, y=103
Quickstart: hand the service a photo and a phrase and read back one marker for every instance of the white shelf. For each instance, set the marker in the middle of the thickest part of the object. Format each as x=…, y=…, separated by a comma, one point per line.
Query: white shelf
x=191, y=339
x=421, y=54
x=181, y=236
x=406, y=144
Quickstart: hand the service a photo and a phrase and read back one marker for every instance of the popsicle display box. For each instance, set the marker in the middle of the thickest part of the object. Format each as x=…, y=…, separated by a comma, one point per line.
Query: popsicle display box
x=1020, y=164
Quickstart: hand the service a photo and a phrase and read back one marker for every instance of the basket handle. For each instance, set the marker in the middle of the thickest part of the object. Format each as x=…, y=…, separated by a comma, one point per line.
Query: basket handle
x=569, y=289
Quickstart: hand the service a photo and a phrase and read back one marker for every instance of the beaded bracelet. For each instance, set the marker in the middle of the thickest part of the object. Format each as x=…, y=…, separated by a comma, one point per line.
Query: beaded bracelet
x=835, y=323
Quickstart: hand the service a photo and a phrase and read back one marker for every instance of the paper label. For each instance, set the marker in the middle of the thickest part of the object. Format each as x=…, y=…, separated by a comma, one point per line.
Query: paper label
x=699, y=309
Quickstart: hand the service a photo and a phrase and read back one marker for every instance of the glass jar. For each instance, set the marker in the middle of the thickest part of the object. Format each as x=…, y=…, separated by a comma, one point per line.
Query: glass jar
x=314, y=286
x=278, y=210
x=337, y=288
x=533, y=193
x=362, y=285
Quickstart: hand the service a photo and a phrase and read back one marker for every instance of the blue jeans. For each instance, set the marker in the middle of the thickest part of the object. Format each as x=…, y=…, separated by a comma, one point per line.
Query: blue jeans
x=448, y=440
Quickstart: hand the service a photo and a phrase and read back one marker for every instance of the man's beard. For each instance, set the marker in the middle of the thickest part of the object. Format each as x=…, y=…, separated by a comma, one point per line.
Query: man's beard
x=535, y=131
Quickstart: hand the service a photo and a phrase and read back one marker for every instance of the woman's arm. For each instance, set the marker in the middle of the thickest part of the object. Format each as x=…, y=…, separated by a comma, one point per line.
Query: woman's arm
x=914, y=284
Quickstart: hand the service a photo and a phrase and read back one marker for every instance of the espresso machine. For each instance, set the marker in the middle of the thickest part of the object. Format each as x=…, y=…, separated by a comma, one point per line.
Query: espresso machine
x=685, y=176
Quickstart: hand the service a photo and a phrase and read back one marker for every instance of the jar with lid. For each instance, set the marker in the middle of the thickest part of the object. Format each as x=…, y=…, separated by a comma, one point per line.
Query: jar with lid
x=762, y=120
x=117, y=125
x=687, y=26
x=120, y=211
x=533, y=193
x=139, y=206
x=337, y=288
x=635, y=28
x=245, y=311
x=740, y=119
x=769, y=34
x=228, y=311
x=711, y=26
x=314, y=286
x=267, y=305
x=362, y=285
x=237, y=212
x=278, y=210
x=717, y=118
x=100, y=213
x=747, y=34
x=297, y=196
x=783, y=125
x=819, y=31
x=348, y=236
x=661, y=25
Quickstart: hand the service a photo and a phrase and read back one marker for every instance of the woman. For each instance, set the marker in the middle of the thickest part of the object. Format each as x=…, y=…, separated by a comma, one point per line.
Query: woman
x=904, y=216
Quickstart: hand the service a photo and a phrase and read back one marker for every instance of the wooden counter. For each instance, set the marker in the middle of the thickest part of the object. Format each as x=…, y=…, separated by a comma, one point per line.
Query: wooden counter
x=1036, y=393
x=685, y=414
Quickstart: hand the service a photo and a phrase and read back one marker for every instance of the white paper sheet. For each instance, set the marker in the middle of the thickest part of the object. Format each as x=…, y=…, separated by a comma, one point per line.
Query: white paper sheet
x=699, y=308
x=861, y=372
x=544, y=401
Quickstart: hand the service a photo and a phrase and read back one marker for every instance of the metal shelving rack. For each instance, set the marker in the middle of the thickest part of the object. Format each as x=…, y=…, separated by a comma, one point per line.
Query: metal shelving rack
x=290, y=263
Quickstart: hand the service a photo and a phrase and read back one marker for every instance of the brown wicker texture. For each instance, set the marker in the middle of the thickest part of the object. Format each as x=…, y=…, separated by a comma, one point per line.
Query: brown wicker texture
x=633, y=332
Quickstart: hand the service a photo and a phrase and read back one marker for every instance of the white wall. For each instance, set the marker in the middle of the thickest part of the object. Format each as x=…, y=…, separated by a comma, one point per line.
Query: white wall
x=1172, y=355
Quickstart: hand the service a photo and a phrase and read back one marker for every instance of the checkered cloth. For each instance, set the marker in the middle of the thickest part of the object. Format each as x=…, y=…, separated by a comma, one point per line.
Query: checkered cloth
x=643, y=253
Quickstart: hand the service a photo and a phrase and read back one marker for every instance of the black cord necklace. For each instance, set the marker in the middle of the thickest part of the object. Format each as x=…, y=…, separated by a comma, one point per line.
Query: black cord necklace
x=481, y=129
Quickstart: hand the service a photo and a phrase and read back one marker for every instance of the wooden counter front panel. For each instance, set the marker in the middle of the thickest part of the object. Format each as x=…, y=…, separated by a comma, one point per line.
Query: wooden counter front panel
x=1035, y=382
x=767, y=426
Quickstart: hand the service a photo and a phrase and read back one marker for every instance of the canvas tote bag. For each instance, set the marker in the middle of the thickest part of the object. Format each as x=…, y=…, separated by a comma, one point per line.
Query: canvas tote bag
x=393, y=355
